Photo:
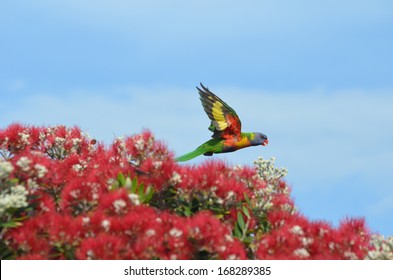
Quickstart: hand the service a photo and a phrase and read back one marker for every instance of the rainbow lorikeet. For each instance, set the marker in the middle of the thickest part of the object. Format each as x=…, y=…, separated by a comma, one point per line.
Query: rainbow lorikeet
x=226, y=128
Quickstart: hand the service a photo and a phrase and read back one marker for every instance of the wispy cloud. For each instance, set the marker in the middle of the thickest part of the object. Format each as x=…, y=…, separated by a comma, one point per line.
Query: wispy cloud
x=336, y=132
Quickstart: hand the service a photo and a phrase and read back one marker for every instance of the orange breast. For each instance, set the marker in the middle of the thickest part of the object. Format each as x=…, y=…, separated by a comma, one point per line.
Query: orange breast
x=237, y=144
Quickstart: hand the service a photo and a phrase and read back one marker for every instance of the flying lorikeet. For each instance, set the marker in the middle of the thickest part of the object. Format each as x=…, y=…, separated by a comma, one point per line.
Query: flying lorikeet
x=226, y=128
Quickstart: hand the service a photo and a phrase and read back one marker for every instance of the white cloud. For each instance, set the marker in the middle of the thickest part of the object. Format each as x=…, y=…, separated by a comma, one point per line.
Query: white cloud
x=337, y=132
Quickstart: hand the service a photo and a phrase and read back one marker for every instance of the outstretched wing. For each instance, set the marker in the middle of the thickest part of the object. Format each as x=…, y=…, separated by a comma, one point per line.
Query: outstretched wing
x=224, y=121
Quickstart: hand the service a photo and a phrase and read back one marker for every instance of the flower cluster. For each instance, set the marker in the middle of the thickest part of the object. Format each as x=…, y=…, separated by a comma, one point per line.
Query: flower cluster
x=63, y=195
x=268, y=172
x=295, y=237
x=381, y=248
x=13, y=197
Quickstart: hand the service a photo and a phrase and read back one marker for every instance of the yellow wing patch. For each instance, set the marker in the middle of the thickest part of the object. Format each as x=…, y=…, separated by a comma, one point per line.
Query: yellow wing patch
x=224, y=121
x=219, y=117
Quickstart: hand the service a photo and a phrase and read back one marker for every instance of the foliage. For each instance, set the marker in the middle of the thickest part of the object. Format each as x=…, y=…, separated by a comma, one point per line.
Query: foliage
x=65, y=196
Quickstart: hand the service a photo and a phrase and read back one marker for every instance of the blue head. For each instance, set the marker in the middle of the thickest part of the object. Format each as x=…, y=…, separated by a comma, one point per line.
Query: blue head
x=259, y=139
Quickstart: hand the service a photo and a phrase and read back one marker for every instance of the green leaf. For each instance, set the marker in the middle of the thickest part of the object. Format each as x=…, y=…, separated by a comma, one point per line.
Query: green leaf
x=128, y=183
x=121, y=179
x=134, y=185
x=187, y=211
x=149, y=193
x=237, y=233
x=247, y=199
x=240, y=222
x=10, y=224
x=248, y=239
x=17, y=219
x=246, y=212
x=141, y=192
x=13, y=181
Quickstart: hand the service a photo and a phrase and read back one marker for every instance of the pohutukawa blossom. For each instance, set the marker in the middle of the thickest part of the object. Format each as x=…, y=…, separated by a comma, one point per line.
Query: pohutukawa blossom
x=64, y=195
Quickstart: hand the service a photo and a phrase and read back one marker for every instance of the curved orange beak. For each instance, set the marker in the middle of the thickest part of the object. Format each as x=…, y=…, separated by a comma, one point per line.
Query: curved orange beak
x=265, y=142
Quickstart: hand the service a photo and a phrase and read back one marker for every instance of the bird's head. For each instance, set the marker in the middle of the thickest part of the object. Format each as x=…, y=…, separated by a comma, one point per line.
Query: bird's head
x=259, y=139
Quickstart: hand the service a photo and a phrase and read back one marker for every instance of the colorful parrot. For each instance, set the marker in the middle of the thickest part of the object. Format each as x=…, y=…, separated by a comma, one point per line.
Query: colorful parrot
x=226, y=128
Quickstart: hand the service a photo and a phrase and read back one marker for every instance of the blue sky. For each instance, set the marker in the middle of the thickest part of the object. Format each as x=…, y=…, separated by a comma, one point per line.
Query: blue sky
x=315, y=76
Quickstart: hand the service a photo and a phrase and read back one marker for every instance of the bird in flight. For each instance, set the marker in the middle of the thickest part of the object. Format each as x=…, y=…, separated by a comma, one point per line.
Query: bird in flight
x=226, y=127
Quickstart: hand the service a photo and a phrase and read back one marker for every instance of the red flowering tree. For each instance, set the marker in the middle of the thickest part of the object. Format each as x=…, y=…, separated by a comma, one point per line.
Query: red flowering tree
x=65, y=196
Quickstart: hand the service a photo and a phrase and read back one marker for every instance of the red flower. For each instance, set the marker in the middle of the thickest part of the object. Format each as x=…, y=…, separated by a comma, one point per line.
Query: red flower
x=81, y=195
x=213, y=238
x=77, y=207
x=115, y=202
x=30, y=238
x=295, y=237
x=102, y=247
x=17, y=137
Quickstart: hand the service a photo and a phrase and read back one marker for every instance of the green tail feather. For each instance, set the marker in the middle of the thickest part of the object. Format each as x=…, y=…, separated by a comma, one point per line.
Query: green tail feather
x=191, y=155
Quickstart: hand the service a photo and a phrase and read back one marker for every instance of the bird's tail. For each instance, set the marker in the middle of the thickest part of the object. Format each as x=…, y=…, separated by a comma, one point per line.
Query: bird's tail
x=199, y=151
